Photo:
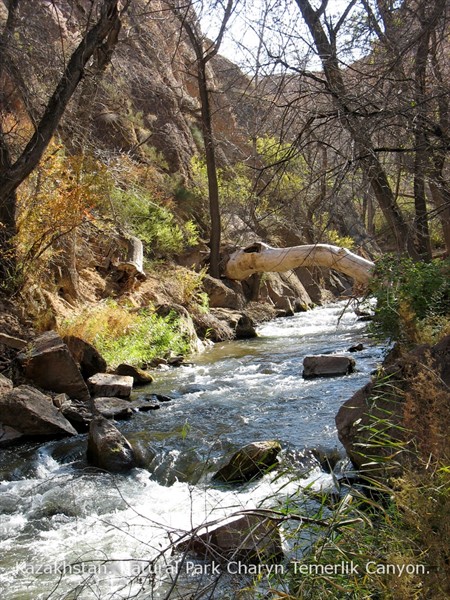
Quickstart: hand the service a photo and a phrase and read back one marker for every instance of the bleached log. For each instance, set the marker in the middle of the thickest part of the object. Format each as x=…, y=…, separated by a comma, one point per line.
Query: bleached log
x=261, y=258
x=134, y=264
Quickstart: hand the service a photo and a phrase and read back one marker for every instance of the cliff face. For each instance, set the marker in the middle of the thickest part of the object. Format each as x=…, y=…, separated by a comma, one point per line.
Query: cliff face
x=144, y=103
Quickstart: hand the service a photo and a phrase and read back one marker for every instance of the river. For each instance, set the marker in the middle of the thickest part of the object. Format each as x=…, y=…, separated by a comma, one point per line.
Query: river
x=69, y=532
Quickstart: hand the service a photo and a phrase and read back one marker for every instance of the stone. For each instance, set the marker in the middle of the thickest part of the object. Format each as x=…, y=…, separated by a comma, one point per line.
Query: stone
x=249, y=462
x=78, y=415
x=31, y=412
x=140, y=377
x=6, y=384
x=355, y=423
x=285, y=292
x=356, y=348
x=88, y=358
x=113, y=408
x=241, y=325
x=221, y=295
x=375, y=424
x=118, y=408
x=250, y=538
x=327, y=365
x=110, y=385
x=48, y=363
x=12, y=342
x=108, y=449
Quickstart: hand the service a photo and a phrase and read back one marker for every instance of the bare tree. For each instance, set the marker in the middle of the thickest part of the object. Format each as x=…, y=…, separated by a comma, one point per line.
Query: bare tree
x=99, y=38
x=205, y=50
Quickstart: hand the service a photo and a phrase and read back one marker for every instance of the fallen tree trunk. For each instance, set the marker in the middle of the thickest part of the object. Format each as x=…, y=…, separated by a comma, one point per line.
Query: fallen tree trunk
x=261, y=258
x=133, y=266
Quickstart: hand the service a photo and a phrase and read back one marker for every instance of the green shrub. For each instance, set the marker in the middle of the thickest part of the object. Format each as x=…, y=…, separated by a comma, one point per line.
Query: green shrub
x=131, y=337
x=153, y=223
x=410, y=295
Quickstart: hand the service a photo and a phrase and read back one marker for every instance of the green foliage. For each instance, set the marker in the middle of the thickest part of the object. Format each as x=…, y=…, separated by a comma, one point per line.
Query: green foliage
x=152, y=222
x=124, y=336
x=410, y=295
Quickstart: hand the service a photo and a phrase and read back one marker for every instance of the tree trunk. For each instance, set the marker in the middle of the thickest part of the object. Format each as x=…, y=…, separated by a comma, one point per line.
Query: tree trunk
x=211, y=169
x=342, y=100
x=261, y=258
x=13, y=174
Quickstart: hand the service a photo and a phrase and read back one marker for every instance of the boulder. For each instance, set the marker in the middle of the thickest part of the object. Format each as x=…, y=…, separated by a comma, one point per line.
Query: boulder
x=328, y=365
x=249, y=462
x=251, y=538
x=12, y=342
x=117, y=408
x=285, y=292
x=409, y=395
x=221, y=294
x=140, y=377
x=356, y=348
x=108, y=449
x=241, y=324
x=48, y=363
x=86, y=356
x=109, y=385
x=6, y=384
x=113, y=408
x=30, y=412
x=77, y=413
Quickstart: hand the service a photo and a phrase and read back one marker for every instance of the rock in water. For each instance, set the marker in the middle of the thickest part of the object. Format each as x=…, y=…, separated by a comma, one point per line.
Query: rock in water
x=48, y=363
x=249, y=462
x=86, y=356
x=108, y=449
x=140, y=377
x=328, y=365
x=105, y=384
x=251, y=538
x=30, y=412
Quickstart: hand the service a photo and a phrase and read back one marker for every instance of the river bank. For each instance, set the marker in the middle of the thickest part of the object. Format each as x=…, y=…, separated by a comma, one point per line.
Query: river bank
x=54, y=511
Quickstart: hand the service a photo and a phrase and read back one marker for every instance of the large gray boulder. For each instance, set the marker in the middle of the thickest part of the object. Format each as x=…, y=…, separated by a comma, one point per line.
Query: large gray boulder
x=249, y=462
x=108, y=449
x=394, y=414
x=251, y=538
x=30, y=412
x=86, y=356
x=221, y=294
x=118, y=408
x=110, y=385
x=327, y=365
x=48, y=363
x=240, y=323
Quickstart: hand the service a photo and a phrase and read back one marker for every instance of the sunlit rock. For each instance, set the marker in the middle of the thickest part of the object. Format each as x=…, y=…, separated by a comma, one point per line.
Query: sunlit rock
x=327, y=365
x=251, y=538
x=108, y=449
x=31, y=412
x=110, y=385
x=250, y=462
x=47, y=362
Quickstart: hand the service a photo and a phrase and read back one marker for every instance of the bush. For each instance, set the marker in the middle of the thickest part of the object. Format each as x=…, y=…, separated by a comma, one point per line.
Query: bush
x=152, y=222
x=124, y=336
x=410, y=297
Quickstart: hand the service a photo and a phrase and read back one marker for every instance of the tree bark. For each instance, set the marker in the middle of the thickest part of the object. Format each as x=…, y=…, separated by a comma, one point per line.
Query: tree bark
x=204, y=52
x=261, y=258
x=13, y=174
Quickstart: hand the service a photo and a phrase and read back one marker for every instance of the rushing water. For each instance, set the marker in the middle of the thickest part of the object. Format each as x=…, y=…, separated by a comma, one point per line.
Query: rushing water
x=68, y=532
